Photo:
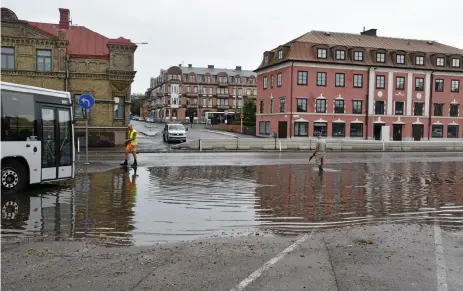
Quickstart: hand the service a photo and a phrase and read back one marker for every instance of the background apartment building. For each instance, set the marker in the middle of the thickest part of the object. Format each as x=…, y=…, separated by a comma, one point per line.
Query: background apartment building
x=180, y=92
x=351, y=85
x=73, y=58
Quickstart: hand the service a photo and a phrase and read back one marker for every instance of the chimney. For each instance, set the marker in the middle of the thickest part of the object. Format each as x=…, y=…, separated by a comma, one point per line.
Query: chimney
x=371, y=32
x=238, y=68
x=210, y=66
x=190, y=65
x=64, y=18
x=180, y=65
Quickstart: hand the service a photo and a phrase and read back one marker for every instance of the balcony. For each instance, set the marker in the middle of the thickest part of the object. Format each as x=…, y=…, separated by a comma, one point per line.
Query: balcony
x=192, y=106
x=191, y=94
x=223, y=84
x=222, y=95
x=221, y=106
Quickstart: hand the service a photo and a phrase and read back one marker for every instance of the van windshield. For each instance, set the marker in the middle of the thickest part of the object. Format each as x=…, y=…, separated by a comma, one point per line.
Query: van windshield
x=176, y=127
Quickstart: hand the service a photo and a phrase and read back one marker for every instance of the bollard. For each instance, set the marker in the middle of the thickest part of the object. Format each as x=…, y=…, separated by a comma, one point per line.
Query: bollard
x=237, y=143
x=199, y=144
x=78, y=145
x=280, y=144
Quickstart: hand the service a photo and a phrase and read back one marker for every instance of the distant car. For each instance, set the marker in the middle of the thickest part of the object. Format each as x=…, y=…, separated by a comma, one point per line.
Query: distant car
x=174, y=132
x=141, y=119
x=135, y=117
x=149, y=119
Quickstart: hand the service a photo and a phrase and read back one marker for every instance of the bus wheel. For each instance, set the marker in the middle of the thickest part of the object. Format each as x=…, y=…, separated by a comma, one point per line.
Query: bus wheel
x=14, y=178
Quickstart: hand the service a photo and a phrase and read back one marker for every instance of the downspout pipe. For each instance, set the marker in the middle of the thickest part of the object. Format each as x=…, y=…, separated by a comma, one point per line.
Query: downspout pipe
x=291, y=103
x=66, y=76
x=430, y=105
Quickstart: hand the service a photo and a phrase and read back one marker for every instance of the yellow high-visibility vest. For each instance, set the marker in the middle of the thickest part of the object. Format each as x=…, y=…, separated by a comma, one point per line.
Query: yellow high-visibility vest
x=131, y=133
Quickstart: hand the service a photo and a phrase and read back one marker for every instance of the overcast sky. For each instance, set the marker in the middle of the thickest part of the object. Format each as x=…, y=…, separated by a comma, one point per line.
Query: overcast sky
x=236, y=33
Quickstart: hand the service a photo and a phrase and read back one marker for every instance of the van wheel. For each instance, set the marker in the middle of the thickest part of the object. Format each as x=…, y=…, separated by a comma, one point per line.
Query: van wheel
x=14, y=177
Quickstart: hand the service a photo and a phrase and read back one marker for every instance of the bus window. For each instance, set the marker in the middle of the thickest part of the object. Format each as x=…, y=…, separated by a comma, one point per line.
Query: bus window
x=18, y=116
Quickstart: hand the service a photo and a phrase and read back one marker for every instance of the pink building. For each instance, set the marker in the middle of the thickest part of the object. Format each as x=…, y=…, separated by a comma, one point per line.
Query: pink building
x=350, y=85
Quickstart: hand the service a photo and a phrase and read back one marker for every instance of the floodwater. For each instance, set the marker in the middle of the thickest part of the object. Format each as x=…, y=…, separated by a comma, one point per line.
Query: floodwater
x=167, y=204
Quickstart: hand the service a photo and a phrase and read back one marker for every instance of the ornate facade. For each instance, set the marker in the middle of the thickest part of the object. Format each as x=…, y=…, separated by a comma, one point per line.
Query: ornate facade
x=74, y=59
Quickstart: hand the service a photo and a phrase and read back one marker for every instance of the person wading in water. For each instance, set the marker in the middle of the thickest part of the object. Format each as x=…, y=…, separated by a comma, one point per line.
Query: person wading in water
x=320, y=151
x=131, y=146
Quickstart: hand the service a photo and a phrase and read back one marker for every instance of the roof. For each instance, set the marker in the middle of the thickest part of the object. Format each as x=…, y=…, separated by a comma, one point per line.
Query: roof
x=302, y=49
x=83, y=42
x=215, y=71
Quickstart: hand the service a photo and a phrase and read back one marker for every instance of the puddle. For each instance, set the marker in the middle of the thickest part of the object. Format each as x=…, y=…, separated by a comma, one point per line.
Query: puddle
x=167, y=204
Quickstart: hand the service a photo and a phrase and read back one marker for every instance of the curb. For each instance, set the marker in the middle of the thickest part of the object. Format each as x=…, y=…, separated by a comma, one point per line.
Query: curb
x=220, y=132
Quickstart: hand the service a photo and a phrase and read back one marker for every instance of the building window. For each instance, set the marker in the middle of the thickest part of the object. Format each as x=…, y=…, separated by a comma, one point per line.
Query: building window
x=271, y=81
x=439, y=87
x=339, y=129
x=418, y=109
x=261, y=106
x=271, y=105
x=322, y=53
x=437, y=130
x=357, y=106
x=44, y=60
x=265, y=82
x=264, y=127
x=321, y=79
x=320, y=106
x=399, y=108
x=320, y=127
x=454, y=110
x=380, y=82
x=400, y=83
x=301, y=129
x=419, y=84
x=340, y=54
x=456, y=63
x=400, y=59
x=266, y=59
x=379, y=107
x=438, y=109
x=8, y=59
x=18, y=116
x=419, y=60
x=280, y=54
x=358, y=81
x=340, y=77
x=358, y=56
x=380, y=57
x=452, y=131
x=455, y=86
x=301, y=104
x=339, y=106
x=356, y=130
x=254, y=92
x=119, y=113
x=440, y=62
x=282, y=104
x=302, y=77
x=279, y=79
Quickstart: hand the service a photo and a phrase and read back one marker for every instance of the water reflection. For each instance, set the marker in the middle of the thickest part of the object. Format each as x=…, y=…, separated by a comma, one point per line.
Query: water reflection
x=149, y=205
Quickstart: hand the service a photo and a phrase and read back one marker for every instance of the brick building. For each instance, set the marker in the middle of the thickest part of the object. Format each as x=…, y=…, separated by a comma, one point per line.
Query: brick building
x=76, y=59
x=180, y=92
x=351, y=85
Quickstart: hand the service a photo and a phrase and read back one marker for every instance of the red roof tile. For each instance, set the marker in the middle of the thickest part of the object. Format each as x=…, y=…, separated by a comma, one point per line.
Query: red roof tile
x=83, y=42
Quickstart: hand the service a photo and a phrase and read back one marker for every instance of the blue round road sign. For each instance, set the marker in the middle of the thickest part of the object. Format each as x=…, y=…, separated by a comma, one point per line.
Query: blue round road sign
x=86, y=101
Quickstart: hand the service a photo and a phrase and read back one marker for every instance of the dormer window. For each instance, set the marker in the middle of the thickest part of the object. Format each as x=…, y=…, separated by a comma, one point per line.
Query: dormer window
x=419, y=60
x=381, y=57
x=440, y=62
x=322, y=53
x=266, y=59
x=358, y=56
x=400, y=59
x=456, y=63
x=280, y=54
x=340, y=54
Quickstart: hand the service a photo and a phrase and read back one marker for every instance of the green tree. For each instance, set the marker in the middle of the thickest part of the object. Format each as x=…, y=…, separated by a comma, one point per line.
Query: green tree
x=137, y=102
x=249, y=110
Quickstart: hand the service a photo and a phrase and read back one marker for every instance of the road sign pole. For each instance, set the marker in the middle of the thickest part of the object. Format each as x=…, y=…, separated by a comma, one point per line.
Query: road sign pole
x=86, y=138
x=241, y=125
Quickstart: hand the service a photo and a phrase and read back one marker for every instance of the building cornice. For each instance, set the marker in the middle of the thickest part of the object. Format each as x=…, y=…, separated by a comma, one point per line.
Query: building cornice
x=33, y=41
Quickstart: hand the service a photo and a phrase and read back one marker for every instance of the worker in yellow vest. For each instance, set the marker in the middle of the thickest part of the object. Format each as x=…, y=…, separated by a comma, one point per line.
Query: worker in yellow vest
x=131, y=146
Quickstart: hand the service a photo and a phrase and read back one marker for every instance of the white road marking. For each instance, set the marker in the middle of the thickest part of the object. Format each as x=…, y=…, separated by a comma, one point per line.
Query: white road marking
x=440, y=259
x=269, y=263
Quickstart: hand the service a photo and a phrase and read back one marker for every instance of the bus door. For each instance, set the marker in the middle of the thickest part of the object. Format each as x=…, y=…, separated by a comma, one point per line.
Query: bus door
x=57, y=143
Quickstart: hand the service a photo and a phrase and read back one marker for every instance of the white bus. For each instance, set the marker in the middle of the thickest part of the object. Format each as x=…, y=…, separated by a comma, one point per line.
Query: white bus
x=37, y=140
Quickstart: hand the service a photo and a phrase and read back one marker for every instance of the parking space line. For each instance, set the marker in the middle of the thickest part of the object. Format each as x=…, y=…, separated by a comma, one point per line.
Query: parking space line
x=440, y=259
x=270, y=263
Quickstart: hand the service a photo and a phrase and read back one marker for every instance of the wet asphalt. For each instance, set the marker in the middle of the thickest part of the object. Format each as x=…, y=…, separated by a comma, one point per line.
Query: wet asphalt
x=241, y=221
